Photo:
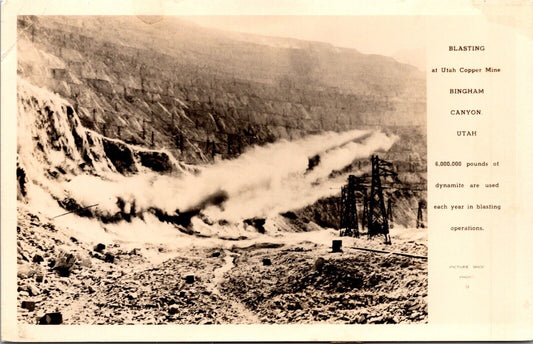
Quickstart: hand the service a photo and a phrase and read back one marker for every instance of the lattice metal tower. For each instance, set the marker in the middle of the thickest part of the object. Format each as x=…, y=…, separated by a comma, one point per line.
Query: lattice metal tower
x=364, y=220
x=349, y=219
x=389, y=211
x=420, y=218
x=377, y=215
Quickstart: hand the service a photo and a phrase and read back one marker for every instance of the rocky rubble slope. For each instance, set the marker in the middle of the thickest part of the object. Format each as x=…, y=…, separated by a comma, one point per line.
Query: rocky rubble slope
x=300, y=282
x=306, y=284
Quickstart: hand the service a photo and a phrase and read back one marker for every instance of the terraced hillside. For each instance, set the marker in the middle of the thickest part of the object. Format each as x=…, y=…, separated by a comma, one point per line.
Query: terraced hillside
x=203, y=93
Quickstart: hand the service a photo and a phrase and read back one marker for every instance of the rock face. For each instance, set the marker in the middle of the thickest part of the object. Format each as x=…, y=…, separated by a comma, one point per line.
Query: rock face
x=120, y=155
x=164, y=96
x=156, y=161
x=48, y=126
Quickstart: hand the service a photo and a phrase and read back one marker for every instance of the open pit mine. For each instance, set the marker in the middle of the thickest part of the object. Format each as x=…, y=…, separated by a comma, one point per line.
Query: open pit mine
x=208, y=177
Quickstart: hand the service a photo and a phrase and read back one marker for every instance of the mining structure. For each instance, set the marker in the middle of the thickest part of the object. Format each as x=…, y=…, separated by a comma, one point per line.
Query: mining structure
x=377, y=215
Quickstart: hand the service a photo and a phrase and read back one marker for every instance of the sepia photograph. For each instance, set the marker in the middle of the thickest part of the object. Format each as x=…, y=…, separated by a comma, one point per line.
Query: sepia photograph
x=206, y=170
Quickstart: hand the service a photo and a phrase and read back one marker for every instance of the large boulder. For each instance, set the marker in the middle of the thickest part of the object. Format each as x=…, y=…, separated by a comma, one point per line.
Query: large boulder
x=29, y=305
x=51, y=319
x=64, y=263
x=27, y=270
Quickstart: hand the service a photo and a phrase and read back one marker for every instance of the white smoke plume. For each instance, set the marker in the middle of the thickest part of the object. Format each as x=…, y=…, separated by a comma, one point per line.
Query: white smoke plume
x=296, y=189
x=263, y=181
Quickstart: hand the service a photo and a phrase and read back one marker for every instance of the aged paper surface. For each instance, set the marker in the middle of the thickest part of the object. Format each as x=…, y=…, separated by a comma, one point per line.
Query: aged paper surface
x=449, y=105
